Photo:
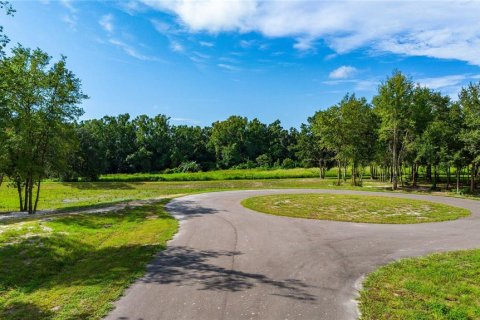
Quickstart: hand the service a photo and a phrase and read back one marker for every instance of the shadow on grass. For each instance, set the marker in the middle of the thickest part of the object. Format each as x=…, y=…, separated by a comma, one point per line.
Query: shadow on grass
x=188, y=267
x=25, y=310
x=35, y=268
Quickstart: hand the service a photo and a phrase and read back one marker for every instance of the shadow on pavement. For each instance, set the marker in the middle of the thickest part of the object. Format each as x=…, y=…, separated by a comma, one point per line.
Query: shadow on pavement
x=187, y=267
x=188, y=209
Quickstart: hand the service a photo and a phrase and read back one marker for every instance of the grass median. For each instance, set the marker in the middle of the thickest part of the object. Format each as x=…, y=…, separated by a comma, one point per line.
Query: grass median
x=354, y=208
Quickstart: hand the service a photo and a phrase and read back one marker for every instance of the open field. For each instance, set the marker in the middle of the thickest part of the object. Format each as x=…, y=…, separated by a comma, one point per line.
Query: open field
x=439, y=286
x=58, y=195
x=354, y=208
x=73, y=267
x=231, y=174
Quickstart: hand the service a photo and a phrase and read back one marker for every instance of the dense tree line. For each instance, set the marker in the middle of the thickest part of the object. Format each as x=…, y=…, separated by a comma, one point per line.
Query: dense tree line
x=406, y=129
x=144, y=144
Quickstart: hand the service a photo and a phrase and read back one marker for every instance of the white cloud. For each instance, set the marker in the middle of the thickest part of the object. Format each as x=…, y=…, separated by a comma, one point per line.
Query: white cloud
x=71, y=21
x=68, y=5
x=446, y=29
x=442, y=82
x=228, y=67
x=185, y=120
x=206, y=44
x=132, y=52
x=176, y=46
x=343, y=72
x=107, y=23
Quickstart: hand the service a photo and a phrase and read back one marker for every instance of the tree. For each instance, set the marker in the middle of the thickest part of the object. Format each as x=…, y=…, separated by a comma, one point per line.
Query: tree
x=469, y=99
x=393, y=105
x=326, y=127
x=40, y=105
x=228, y=140
x=310, y=151
x=348, y=129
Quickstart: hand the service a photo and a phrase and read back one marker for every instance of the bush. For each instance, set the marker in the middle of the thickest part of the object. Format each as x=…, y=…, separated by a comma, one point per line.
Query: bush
x=190, y=166
x=263, y=160
x=246, y=165
x=288, y=163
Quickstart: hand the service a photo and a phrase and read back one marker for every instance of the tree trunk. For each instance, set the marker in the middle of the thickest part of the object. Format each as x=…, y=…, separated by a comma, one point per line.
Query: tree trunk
x=414, y=175
x=339, y=172
x=20, y=198
x=434, y=184
x=429, y=173
x=472, y=180
x=354, y=174
x=458, y=179
x=25, y=200
x=448, y=178
x=30, y=196
x=37, y=196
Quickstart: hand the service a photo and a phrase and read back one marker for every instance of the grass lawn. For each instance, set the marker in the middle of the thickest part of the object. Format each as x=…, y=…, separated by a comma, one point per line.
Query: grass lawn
x=58, y=195
x=354, y=208
x=439, y=286
x=74, y=266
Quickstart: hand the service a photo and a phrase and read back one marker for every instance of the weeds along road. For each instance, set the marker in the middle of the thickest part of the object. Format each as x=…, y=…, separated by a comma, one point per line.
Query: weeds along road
x=228, y=262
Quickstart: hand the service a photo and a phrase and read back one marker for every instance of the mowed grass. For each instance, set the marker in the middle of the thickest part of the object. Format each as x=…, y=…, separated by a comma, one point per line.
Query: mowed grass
x=58, y=195
x=75, y=266
x=354, y=208
x=438, y=286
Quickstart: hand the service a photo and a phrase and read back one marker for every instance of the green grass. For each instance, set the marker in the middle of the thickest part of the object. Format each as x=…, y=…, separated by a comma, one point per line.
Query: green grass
x=354, y=208
x=74, y=266
x=231, y=174
x=439, y=286
x=57, y=195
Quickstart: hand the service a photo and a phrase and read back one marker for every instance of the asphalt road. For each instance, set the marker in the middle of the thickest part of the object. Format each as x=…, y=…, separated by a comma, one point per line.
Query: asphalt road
x=228, y=262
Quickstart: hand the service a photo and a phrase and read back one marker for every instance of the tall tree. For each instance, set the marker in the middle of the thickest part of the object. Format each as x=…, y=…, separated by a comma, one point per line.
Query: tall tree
x=40, y=104
x=393, y=105
x=469, y=99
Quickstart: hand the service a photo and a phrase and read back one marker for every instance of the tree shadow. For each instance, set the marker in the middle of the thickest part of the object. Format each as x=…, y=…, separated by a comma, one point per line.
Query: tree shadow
x=184, y=209
x=185, y=266
x=24, y=310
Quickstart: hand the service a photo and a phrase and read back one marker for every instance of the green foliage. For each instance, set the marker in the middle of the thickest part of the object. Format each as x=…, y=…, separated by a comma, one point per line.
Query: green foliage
x=39, y=106
x=393, y=105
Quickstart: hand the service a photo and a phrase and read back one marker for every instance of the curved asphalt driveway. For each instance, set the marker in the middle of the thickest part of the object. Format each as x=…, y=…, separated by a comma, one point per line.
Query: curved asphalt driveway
x=228, y=262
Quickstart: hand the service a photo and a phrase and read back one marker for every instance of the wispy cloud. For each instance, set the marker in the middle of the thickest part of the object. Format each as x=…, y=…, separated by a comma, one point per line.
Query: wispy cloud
x=71, y=17
x=106, y=22
x=176, y=46
x=132, y=52
x=228, y=67
x=206, y=44
x=343, y=72
x=450, y=30
x=185, y=120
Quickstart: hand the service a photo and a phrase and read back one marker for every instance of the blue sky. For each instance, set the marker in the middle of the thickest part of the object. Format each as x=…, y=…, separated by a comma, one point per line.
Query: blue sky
x=201, y=61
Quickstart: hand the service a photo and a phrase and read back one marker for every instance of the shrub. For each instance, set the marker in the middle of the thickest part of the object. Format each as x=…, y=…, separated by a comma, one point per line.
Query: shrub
x=288, y=163
x=263, y=160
